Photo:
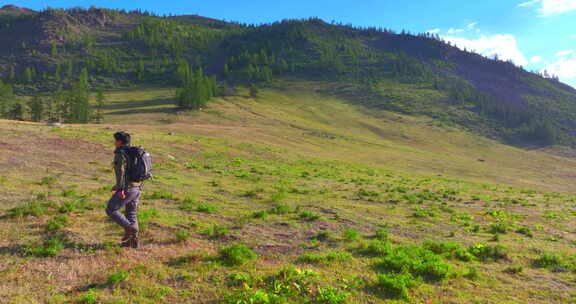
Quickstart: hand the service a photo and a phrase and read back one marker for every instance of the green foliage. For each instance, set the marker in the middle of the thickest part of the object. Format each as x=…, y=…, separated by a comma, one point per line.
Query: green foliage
x=548, y=261
x=325, y=258
x=396, y=285
x=88, y=297
x=182, y=236
x=117, y=277
x=376, y=248
x=281, y=209
x=216, y=231
x=308, y=215
x=49, y=248
x=236, y=255
x=57, y=223
x=418, y=261
x=351, y=235
x=499, y=228
x=28, y=209
x=205, y=208
x=488, y=253
x=161, y=195
x=330, y=295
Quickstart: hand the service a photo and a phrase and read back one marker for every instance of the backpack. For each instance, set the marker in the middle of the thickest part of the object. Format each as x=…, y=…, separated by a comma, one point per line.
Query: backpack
x=139, y=164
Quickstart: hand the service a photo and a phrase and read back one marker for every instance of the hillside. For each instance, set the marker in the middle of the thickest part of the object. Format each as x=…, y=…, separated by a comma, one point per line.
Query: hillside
x=334, y=204
x=410, y=74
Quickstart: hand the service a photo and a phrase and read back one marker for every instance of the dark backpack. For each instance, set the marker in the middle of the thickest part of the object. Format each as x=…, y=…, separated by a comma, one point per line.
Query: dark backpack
x=139, y=164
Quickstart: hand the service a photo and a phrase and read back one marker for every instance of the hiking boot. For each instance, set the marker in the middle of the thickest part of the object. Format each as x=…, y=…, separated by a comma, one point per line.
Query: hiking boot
x=130, y=238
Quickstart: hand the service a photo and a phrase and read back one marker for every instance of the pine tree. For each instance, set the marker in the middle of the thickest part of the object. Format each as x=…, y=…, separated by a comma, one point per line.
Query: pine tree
x=100, y=102
x=54, y=49
x=36, y=108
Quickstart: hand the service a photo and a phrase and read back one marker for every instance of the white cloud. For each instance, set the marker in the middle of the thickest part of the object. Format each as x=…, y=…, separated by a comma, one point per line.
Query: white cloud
x=551, y=7
x=573, y=36
x=471, y=26
x=433, y=31
x=536, y=59
x=564, y=53
x=564, y=67
x=452, y=31
x=502, y=45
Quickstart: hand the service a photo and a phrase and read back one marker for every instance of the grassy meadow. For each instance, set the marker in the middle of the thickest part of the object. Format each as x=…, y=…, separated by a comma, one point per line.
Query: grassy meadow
x=290, y=197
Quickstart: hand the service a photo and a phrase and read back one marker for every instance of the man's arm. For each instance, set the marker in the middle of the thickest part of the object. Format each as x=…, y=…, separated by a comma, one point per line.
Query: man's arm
x=120, y=164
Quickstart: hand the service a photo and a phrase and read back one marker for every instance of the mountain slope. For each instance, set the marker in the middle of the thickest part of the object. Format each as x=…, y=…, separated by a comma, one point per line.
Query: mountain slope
x=118, y=48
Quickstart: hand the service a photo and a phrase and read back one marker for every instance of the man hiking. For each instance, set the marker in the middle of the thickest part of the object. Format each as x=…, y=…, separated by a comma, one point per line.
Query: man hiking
x=132, y=166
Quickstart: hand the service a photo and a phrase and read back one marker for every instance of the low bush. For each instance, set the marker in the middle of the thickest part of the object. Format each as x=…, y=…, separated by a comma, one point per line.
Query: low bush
x=525, y=231
x=396, y=285
x=499, y=228
x=281, y=208
x=418, y=261
x=236, y=255
x=48, y=248
x=216, y=231
x=28, y=209
x=205, y=208
x=375, y=248
x=56, y=223
x=182, y=236
x=547, y=260
x=117, y=278
x=488, y=253
x=351, y=235
x=259, y=214
x=324, y=258
x=308, y=216
x=160, y=195
x=330, y=295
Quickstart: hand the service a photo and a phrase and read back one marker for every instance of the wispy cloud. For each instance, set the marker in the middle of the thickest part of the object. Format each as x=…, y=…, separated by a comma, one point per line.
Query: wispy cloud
x=536, y=59
x=564, y=53
x=551, y=7
x=433, y=31
x=504, y=46
x=564, y=67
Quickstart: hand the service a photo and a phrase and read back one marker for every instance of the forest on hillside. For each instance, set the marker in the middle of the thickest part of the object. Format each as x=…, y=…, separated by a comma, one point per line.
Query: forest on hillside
x=65, y=58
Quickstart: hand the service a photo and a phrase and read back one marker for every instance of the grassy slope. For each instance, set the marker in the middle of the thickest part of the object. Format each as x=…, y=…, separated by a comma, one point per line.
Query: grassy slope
x=354, y=170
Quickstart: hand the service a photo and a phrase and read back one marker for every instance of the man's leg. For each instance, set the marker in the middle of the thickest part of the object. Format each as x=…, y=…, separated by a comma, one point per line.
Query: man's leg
x=131, y=214
x=114, y=205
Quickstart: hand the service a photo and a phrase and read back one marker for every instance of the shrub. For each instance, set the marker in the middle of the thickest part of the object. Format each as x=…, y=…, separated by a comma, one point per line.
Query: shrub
x=418, y=261
x=145, y=216
x=330, y=295
x=472, y=274
x=514, y=269
x=48, y=180
x=324, y=258
x=308, y=216
x=382, y=234
x=351, y=235
x=117, y=277
x=525, y=231
x=449, y=249
x=28, y=209
x=216, y=231
x=182, y=236
x=161, y=195
x=396, y=285
x=88, y=297
x=547, y=261
x=423, y=213
x=77, y=205
x=237, y=254
x=69, y=193
x=323, y=236
x=376, y=248
x=188, y=204
x=499, y=228
x=190, y=258
x=56, y=223
x=205, y=208
x=281, y=209
x=260, y=214
x=489, y=253
x=239, y=279
x=48, y=248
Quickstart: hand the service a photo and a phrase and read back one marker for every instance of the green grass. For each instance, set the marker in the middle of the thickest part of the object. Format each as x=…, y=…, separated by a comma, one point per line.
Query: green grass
x=339, y=205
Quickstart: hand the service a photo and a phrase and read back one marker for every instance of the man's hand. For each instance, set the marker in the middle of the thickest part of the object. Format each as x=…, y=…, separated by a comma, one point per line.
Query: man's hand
x=114, y=189
x=121, y=194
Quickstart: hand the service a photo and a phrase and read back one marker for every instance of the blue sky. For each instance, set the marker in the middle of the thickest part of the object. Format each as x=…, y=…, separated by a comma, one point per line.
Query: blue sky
x=537, y=34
